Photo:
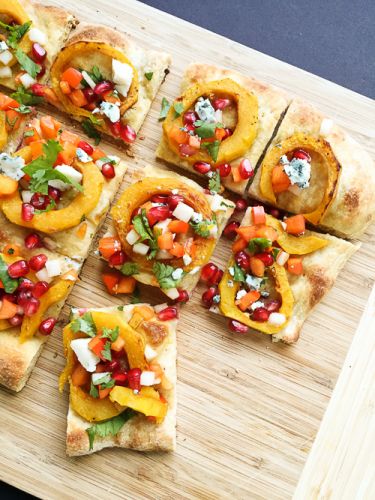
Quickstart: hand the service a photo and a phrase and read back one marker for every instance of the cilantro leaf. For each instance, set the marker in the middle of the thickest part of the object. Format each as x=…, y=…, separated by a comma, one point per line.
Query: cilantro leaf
x=106, y=352
x=26, y=63
x=202, y=227
x=212, y=148
x=206, y=129
x=258, y=244
x=94, y=393
x=178, y=109
x=107, y=385
x=15, y=32
x=214, y=184
x=84, y=324
x=9, y=284
x=149, y=75
x=275, y=252
x=26, y=97
x=94, y=74
x=110, y=333
x=163, y=273
x=23, y=110
x=129, y=268
x=120, y=308
x=109, y=427
x=164, y=109
x=89, y=129
x=142, y=227
x=238, y=274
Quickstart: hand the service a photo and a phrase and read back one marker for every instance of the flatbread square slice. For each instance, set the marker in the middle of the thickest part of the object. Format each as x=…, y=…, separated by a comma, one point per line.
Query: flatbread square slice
x=272, y=102
x=137, y=433
x=352, y=207
x=320, y=270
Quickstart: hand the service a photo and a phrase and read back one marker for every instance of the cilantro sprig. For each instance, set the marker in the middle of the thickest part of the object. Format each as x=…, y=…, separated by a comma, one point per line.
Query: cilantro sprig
x=142, y=227
x=178, y=109
x=149, y=75
x=212, y=148
x=110, y=333
x=109, y=427
x=9, y=284
x=202, y=228
x=206, y=130
x=85, y=324
x=214, y=184
x=163, y=273
x=129, y=268
x=95, y=75
x=88, y=126
x=26, y=63
x=41, y=169
x=25, y=96
x=165, y=105
x=258, y=244
x=238, y=274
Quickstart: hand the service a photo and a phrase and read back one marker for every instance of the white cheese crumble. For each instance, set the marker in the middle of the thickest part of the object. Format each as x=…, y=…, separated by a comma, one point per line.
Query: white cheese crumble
x=183, y=212
x=172, y=293
x=12, y=166
x=122, y=75
x=3, y=46
x=197, y=217
x=277, y=319
x=148, y=378
x=299, y=172
x=240, y=294
x=27, y=80
x=253, y=283
x=231, y=270
x=36, y=35
x=83, y=156
x=204, y=110
x=194, y=270
x=150, y=353
x=177, y=274
x=187, y=259
x=256, y=305
x=84, y=354
x=100, y=378
x=110, y=110
x=5, y=57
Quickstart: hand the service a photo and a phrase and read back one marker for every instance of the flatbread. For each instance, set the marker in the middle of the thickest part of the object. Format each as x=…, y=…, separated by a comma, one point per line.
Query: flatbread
x=321, y=269
x=137, y=433
x=190, y=280
x=353, y=208
x=272, y=103
x=145, y=61
x=17, y=360
x=56, y=23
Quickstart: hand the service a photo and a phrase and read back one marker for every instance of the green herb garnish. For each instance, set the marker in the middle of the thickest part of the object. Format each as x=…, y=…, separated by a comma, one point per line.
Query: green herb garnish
x=212, y=148
x=109, y=427
x=178, y=109
x=214, y=184
x=25, y=96
x=202, y=228
x=149, y=75
x=238, y=274
x=164, y=109
x=85, y=324
x=88, y=126
x=129, y=268
x=142, y=227
x=163, y=273
x=26, y=63
x=9, y=284
x=110, y=333
x=206, y=130
x=94, y=393
x=258, y=244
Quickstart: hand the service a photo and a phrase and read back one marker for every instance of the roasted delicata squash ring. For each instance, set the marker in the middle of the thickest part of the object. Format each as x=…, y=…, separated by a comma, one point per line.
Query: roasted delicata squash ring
x=13, y=10
x=92, y=409
x=230, y=310
x=3, y=130
x=63, y=61
x=67, y=217
x=139, y=193
x=319, y=146
x=247, y=119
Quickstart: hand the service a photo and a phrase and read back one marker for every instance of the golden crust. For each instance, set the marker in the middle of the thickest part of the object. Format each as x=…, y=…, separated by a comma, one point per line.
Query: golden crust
x=138, y=433
x=353, y=208
x=272, y=103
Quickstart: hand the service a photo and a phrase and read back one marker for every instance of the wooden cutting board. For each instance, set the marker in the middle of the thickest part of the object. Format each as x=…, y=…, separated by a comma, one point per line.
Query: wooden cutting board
x=248, y=410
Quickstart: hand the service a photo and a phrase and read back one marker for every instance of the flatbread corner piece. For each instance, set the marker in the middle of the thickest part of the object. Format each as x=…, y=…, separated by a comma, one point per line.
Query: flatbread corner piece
x=272, y=103
x=138, y=433
x=145, y=61
x=353, y=207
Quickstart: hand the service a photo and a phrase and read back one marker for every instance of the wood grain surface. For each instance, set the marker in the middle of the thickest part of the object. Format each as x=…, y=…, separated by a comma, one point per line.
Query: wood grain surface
x=248, y=410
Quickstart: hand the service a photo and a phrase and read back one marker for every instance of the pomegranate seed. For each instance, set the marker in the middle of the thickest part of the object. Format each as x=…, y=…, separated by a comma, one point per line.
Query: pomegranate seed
x=128, y=134
x=186, y=150
x=38, y=52
x=54, y=193
x=16, y=320
x=302, y=155
x=202, y=167
x=25, y=285
x=174, y=200
x=40, y=201
x=112, y=366
x=42, y=71
x=275, y=213
x=115, y=128
x=265, y=257
x=102, y=87
x=31, y=306
x=241, y=205
x=47, y=325
x=189, y=127
x=220, y=103
x=208, y=272
x=37, y=262
x=23, y=297
x=208, y=296
x=260, y=314
x=108, y=170
x=40, y=288
x=228, y=133
x=27, y=212
x=189, y=118
x=160, y=198
x=121, y=378
x=11, y=297
x=18, y=269
x=224, y=169
x=216, y=278
x=117, y=259
x=168, y=313
x=87, y=148
x=38, y=89
x=236, y=326
x=89, y=94
x=134, y=378
x=183, y=297
x=273, y=306
x=33, y=240
x=245, y=169
x=243, y=260
x=157, y=214
x=230, y=229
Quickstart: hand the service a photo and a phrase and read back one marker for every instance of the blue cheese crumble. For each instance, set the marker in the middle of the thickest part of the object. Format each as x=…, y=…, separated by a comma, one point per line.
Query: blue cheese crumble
x=299, y=172
x=253, y=283
x=110, y=110
x=204, y=110
x=12, y=167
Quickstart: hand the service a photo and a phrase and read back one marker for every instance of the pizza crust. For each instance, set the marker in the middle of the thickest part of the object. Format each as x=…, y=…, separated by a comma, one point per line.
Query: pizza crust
x=353, y=208
x=321, y=269
x=272, y=103
x=143, y=60
x=137, y=433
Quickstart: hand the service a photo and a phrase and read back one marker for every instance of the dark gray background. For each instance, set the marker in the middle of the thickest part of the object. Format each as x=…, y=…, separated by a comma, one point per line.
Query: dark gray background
x=334, y=39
